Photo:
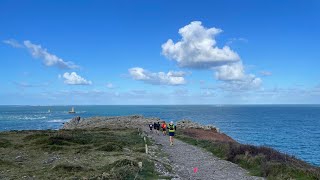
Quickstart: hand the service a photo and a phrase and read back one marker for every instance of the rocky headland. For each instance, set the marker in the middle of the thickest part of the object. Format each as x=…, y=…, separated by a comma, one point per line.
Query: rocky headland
x=209, y=132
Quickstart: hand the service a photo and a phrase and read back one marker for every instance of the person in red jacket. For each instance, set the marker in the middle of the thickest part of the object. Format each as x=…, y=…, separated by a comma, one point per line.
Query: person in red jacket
x=164, y=128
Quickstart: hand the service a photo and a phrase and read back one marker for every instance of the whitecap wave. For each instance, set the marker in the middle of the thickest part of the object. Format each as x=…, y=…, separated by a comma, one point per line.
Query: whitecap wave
x=32, y=118
x=58, y=120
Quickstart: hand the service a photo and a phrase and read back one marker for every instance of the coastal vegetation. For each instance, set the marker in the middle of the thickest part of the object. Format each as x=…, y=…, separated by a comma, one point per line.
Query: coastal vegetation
x=113, y=148
x=259, y=161
x=74, y=154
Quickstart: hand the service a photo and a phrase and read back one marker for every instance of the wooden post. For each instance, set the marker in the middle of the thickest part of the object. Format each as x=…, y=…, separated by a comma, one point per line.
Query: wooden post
x=146, y=149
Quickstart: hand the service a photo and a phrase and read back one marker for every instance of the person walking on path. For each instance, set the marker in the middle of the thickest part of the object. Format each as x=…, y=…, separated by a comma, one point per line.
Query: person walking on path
x=158, y=128
x=150, y=126
x=172, y=128
x=164, y=128
x=155, y=127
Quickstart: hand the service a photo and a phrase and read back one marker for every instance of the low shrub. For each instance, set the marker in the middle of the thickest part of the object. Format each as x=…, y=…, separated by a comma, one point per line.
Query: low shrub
x=68, y=168
x=110, y=147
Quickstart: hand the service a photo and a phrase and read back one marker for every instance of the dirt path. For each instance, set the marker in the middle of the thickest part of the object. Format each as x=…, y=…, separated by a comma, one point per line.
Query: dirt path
x=184, y=158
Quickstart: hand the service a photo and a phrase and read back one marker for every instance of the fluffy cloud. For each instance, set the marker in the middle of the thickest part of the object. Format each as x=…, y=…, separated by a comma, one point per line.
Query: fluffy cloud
x=74, y=79
x=230, y=72
x=197, y=48
x=235, y=78
x=160, y=78
x=13, y=43
x=48, y=59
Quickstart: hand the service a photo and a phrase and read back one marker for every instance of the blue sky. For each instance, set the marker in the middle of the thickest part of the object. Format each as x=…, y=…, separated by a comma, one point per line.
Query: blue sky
x=159, y=52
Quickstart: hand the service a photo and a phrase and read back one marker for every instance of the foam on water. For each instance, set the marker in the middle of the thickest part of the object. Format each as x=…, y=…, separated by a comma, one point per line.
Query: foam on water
x=58, y=120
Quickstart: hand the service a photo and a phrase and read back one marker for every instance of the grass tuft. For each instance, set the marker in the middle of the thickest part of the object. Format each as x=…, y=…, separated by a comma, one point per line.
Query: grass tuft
x=4, y=143
x=68, y=168
x=109, y=147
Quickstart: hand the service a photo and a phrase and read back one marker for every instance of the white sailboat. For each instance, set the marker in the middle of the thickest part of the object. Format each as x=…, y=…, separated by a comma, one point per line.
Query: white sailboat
x=72, y=111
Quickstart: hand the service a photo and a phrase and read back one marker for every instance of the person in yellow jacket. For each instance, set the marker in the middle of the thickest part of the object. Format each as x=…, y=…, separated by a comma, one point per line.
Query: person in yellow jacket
x=172, y=128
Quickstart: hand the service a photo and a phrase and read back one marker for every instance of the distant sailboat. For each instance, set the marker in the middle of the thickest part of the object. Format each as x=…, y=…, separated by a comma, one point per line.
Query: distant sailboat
x=49, y=111
x=72, y=111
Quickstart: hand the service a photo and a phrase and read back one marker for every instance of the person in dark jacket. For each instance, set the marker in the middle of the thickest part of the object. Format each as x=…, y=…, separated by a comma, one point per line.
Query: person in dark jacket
x=150, y=126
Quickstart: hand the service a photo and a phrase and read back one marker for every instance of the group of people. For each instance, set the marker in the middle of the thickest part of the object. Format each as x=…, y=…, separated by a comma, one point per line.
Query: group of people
x=164, y=127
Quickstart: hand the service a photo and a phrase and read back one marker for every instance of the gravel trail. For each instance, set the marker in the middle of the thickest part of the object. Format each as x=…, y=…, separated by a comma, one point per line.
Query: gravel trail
x=191, y=162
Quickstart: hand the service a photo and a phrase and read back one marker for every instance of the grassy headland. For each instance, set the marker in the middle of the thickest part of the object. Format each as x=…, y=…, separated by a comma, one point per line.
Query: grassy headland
x=74, y=154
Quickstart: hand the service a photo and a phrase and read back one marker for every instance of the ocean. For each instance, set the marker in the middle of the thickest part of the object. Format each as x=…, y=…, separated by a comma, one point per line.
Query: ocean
x=291, y=129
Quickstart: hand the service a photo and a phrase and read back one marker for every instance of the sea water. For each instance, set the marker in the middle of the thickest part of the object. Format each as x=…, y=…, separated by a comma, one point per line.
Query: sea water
x=292, y=129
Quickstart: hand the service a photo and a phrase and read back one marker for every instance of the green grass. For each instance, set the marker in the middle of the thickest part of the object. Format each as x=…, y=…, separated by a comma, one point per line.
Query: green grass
x=259, y=161
x=75, y=154
x=6, y=163
x=110, y=147
x=4, y=143
x=68, y=168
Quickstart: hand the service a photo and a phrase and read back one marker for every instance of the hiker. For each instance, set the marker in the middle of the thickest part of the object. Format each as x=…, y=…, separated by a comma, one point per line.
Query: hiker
x=158, y=128
x=155, y=126
x=164, y=128
x=172, y=129
x=150, y=126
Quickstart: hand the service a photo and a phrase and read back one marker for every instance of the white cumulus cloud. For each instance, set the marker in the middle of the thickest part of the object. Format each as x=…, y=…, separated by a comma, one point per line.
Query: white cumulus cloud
x=197, y=48
x=48, y=59
x=230, y=72
x=75, y=79
x=159, y=78
x=235, y=77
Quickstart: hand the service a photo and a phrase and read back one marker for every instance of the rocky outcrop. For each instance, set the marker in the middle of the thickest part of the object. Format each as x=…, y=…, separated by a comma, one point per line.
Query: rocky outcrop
x=188, y=124
x=133, y=121
x=118, y=122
